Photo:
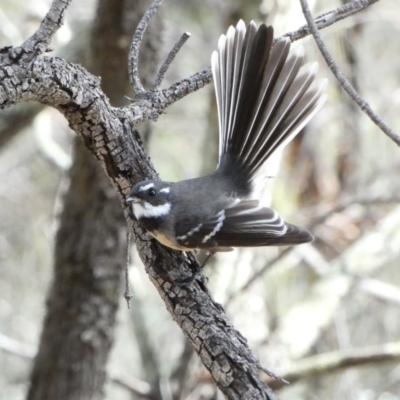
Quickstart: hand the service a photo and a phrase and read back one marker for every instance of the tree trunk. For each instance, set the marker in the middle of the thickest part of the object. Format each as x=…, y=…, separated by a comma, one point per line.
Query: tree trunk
x=82, y=303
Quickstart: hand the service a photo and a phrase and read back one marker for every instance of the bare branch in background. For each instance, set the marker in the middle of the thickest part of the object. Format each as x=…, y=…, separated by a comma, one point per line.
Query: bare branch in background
x=170, y=58
x=180, y=373
x=136, y=387
x=156, y=101
x=321, y=217
x=364, y=106
x=128, y=293
x=331, y=17
x=15, y=347
x=258, y=274
x=381, y=290
x=306, y=368
x=26, y=351
x=135, y=47
x=331, y=362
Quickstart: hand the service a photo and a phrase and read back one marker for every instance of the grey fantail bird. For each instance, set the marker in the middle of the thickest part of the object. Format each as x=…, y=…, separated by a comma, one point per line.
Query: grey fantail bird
x=265, y=96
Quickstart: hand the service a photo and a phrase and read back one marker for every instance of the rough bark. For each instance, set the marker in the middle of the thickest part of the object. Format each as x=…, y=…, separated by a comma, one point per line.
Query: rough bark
x=114, y=27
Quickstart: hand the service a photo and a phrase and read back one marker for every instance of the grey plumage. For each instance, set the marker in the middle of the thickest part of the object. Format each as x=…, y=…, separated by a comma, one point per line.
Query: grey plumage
x=265, y=96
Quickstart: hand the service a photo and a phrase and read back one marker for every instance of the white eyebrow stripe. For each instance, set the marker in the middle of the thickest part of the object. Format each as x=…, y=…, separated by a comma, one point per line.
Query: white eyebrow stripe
x=165, y=190
x=149, y=211
x=148, y=186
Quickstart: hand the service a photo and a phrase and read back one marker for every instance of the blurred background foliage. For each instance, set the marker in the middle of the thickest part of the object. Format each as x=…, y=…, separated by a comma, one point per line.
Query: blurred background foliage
x=340, y=178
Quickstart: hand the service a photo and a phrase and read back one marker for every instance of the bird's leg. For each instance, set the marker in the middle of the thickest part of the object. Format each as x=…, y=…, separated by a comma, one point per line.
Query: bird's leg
x=197, y=274
x=207, y=259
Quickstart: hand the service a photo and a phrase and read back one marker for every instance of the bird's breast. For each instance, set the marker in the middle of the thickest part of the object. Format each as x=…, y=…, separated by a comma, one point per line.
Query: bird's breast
x=166, y=241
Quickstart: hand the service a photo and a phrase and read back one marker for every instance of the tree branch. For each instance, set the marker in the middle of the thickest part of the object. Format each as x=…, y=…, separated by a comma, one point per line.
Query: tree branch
x=257, y=275
x=364, y=106
x=331, y=17
x=337, y=360
x=15, y=347
x=155, y=102
x=170, y=58
x=38, y=43
x=135, y=47
x=27, y=352
x=321, y=217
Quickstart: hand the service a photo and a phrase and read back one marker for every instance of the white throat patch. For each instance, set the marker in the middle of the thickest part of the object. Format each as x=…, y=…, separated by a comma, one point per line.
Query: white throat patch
x=146, y=210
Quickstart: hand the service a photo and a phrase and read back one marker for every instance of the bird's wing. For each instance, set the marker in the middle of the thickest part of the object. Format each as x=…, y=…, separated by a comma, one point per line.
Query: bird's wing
x=245, y=223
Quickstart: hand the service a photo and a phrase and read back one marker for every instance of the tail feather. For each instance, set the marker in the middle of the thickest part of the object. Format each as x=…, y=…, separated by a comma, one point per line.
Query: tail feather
x=266, y=130
x=251, y=75
x=264, y=95
x=299, y=105
x=300, y=115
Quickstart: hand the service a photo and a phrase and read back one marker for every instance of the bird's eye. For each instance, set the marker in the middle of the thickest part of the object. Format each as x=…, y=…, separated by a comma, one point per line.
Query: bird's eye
x=151, y=192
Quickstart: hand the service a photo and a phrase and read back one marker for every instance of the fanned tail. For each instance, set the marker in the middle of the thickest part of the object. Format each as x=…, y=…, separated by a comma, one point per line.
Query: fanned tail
x=265, y=96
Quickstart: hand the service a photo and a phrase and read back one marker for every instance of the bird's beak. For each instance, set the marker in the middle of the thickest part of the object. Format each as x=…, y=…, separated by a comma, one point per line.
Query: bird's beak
x=132, y=199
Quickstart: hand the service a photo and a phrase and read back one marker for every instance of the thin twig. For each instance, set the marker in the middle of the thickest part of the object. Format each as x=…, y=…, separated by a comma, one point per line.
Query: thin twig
x=16, y=347
x=172, y=54
x=318, y=219
x=186, y=86
x=257, y=275
x=135, y=47
x=137, y=387
x=128, y=294
x=327, y=363
x=329, y=18
x=179, y=374
x=157, y=101
x=364, y=106
x=381, y=290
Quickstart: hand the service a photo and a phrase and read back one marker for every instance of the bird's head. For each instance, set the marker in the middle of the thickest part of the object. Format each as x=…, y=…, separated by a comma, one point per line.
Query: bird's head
x=150, y=199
